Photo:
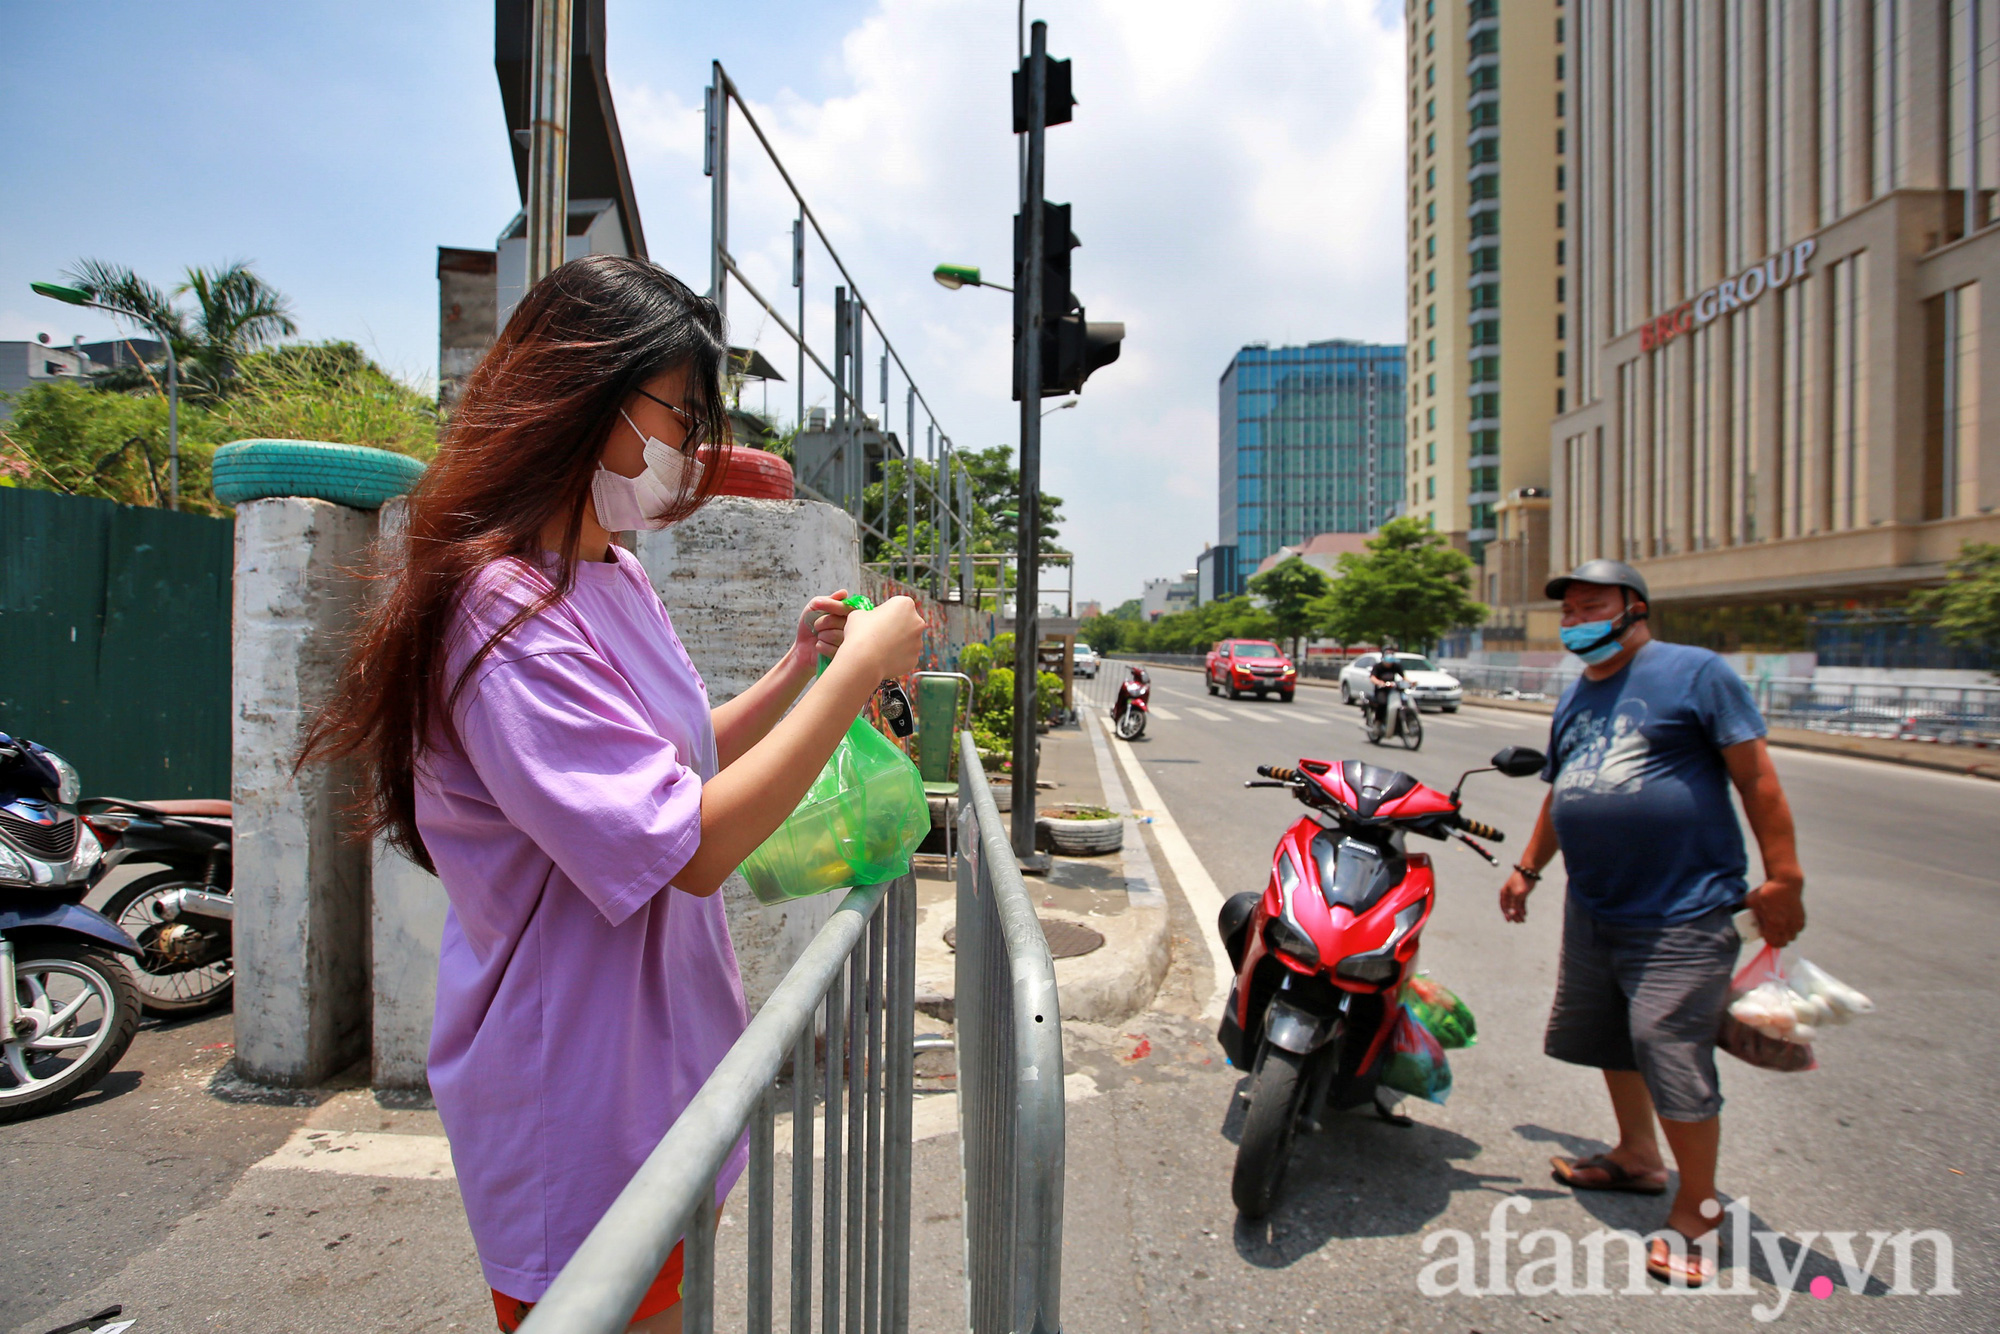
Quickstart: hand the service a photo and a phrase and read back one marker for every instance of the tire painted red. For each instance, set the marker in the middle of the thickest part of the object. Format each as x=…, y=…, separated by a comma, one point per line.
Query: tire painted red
x=757, y=474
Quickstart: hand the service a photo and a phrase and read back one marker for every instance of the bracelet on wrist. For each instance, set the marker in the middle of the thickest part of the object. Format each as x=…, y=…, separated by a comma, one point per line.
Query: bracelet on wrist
x=1533, y=877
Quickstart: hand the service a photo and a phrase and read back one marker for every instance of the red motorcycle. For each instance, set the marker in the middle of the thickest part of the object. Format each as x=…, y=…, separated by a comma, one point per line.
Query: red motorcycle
x=1322, y=954
x=1128, y=711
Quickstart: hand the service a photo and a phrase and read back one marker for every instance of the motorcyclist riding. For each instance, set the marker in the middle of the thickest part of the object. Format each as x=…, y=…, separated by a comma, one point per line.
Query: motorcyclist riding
x=1383, y=677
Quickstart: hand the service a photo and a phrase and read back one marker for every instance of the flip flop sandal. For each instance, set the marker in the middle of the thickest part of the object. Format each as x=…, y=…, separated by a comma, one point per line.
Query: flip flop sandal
x=1616, y=1178
x=1691, y=1272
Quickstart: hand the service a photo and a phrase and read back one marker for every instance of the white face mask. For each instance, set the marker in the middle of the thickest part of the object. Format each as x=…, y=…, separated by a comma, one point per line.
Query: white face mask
x=628, y=504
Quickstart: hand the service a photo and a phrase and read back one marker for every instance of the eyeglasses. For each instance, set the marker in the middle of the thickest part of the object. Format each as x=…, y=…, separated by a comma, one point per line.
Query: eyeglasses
x=693, y=426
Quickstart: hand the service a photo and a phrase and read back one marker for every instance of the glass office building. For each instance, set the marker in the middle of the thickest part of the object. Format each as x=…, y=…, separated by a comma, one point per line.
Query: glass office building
x=1311, y=442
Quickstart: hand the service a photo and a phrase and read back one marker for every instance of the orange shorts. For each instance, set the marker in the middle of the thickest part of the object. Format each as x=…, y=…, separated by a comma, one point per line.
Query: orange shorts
x=665, y=1292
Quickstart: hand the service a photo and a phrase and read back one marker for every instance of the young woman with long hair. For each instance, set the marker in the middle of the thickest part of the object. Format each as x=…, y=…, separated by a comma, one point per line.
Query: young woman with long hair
x=521, y=718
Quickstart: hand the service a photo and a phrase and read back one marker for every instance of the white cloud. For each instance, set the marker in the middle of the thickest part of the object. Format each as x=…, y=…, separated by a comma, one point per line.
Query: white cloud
x=1235, y=176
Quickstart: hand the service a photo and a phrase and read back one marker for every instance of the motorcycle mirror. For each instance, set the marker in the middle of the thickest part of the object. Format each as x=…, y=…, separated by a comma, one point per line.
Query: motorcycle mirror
x=1519, y=761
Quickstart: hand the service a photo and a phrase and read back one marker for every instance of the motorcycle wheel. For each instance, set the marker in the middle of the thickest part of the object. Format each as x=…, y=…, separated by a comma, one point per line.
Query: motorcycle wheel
x=164, y=989
x=83, y=1010
x=1373, y=728
x=1413, y=729
x=1131, y=724
x=1266, y=1145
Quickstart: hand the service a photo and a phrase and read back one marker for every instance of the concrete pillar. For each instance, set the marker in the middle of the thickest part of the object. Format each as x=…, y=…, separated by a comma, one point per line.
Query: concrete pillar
x=407, y=924
x=406, y=928
x=301, y=886
x=734, y=578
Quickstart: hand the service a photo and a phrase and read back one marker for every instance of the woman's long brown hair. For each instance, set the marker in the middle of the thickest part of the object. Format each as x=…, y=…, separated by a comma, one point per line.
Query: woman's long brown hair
x=519, y=452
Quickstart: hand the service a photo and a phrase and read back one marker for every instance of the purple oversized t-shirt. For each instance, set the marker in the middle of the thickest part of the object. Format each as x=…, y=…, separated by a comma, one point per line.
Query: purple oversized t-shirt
x=581, y=1002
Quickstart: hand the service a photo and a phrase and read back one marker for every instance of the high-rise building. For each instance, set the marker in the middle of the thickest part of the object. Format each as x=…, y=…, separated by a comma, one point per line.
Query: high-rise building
x=1486, y=235
x=1782, y=312
x=1311, y=442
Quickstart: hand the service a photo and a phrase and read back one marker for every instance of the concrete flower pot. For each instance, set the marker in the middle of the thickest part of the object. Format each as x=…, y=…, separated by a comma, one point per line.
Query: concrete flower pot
x=1080, y=831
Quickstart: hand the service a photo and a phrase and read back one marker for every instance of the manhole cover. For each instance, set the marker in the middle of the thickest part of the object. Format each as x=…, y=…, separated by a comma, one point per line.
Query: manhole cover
x=1067, y=940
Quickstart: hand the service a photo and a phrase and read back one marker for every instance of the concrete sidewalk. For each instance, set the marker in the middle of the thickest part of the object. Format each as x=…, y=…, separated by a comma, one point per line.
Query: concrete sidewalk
x=1114, y=895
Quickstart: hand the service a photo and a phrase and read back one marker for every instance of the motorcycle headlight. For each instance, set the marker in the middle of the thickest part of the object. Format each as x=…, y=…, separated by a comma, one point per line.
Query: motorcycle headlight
x=88, y=851
x=1378, y=967
x=68, y=786
x=1285, y=938
x=12, y=867
x=1374, y=969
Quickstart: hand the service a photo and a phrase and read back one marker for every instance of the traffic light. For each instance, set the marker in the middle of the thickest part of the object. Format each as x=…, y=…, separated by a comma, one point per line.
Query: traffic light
x=1072, y=347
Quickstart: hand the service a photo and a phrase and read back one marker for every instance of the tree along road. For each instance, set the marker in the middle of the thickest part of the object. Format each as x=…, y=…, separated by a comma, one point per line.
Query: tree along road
x=1895, y=1131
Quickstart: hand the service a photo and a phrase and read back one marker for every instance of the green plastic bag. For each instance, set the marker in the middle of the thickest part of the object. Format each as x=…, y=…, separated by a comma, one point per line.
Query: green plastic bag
x=1447, y=1017
x=1417, y=1064
x=858, y=824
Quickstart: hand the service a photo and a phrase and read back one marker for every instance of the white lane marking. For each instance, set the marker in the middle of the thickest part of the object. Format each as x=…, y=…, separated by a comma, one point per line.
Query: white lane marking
x=1210, y=714
x=1164, y=716
x=1258, y=716
x=363, y=1153
x=1196, y=885
x=1432, y=720
x=932, y=1115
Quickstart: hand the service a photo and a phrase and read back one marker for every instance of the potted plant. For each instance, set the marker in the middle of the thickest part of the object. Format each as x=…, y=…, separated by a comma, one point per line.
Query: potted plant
x=1080, y=831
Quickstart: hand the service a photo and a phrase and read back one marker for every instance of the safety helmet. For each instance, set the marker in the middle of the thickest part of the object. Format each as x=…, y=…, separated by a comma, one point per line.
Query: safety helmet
x=1615, y=573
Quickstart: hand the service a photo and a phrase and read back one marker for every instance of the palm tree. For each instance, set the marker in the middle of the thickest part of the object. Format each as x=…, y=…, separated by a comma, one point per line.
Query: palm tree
x=236, y=312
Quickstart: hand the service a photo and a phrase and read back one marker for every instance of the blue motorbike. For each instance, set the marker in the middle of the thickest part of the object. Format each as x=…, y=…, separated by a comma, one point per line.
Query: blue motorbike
x=68, y=1006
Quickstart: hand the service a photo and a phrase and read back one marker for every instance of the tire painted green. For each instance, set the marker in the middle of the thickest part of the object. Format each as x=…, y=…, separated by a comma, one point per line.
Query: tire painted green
x=352, y=475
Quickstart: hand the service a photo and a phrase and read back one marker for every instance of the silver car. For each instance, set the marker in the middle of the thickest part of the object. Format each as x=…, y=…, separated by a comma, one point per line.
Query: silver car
x=1084, y=664
x=1429, y=687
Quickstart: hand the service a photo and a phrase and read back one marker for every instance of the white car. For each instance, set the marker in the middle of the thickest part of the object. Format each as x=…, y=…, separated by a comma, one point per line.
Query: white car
x=1084, y=664
x=1429, y=687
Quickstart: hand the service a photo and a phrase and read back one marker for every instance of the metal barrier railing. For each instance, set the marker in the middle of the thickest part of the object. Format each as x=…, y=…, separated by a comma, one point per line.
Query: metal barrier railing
x=856, y=985
x=1010, y=1080
x=1948, y=715
x=859, y=978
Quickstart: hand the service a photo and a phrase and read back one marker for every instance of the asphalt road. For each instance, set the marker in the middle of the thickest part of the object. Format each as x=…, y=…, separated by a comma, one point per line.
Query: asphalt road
x=1895, y=1131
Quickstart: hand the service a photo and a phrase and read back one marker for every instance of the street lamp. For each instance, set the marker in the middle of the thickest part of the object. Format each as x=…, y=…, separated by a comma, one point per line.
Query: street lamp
x=1066, y=403
x=76, y=296
x=955, y=276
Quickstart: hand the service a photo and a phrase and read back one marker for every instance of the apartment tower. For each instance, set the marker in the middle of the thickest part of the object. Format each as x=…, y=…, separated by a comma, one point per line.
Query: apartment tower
x=1487, y=271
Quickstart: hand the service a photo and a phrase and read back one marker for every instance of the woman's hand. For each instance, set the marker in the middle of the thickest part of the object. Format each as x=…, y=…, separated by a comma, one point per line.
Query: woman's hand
x=822, y=625
x=889, y=638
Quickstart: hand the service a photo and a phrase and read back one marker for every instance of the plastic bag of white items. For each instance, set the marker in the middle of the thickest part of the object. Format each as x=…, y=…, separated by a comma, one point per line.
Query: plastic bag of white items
x=1761, y=1024
x=1835, y=1002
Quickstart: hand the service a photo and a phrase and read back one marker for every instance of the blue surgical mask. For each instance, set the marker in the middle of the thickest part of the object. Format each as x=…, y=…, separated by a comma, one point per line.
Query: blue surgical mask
x=1593, y=641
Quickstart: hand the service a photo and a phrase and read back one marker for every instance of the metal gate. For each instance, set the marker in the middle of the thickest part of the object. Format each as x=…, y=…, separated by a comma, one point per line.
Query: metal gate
x=114, y=641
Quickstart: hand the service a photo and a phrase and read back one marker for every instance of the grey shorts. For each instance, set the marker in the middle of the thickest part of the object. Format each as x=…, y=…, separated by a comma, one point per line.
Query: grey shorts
x=1646, y=998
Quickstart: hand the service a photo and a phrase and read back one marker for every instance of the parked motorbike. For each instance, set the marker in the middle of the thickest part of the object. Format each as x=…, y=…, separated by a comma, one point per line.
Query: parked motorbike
x=68, y=1007
x=1404, y=722
x=182, y=915
x=1129, y=710
x=1322, y=954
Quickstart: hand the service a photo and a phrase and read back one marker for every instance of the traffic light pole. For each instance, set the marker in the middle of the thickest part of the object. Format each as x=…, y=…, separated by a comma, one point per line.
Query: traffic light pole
x=1028, y=342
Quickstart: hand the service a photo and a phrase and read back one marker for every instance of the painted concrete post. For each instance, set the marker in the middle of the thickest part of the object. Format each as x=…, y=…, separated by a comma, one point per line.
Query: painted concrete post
x=734, y=578
x=301, y=886
x=408, y=931
x=406, y=926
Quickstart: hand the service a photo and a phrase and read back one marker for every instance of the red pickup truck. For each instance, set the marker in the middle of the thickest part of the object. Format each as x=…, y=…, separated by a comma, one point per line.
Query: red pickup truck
x=1243, y=666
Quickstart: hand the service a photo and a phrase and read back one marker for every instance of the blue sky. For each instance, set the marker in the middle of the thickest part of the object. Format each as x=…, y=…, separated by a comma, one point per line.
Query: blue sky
x=1234, y=167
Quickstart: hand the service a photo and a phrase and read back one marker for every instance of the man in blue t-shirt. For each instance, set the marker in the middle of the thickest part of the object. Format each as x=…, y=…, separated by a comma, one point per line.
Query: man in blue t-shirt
x=1642, y=753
